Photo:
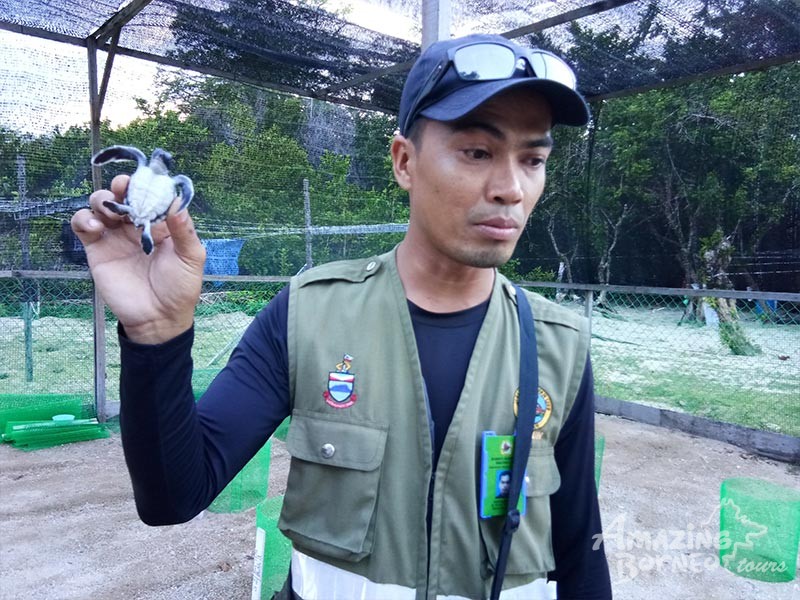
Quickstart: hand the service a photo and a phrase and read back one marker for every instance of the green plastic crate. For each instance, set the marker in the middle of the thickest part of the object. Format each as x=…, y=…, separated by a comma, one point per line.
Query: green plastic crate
x=36, y=407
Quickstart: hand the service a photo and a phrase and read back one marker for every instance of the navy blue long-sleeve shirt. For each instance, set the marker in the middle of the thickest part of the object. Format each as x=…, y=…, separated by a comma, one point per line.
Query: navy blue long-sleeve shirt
x=181, y=455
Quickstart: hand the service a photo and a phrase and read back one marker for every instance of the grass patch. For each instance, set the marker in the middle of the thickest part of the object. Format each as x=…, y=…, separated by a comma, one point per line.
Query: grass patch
x=654, y=361
x=776, y=411
x=640, y=355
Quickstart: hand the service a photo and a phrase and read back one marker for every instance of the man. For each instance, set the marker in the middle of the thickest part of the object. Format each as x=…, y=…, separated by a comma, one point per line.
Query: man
x=389, y=398
x=503, y=484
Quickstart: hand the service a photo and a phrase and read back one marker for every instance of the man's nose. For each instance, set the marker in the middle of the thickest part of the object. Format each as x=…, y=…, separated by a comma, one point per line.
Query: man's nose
x=506, y=182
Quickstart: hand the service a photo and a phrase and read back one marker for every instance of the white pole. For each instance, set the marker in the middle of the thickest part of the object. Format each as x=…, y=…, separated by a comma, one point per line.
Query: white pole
x=307, y=211
x=436, y=18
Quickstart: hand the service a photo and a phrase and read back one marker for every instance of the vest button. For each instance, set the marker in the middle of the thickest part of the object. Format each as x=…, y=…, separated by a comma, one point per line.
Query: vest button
x=372, y=264
x=327, y=450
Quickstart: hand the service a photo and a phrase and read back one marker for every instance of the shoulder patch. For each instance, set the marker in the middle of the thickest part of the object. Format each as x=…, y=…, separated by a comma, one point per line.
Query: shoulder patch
x=545, y=310
x=550, y=312
x=354, y=271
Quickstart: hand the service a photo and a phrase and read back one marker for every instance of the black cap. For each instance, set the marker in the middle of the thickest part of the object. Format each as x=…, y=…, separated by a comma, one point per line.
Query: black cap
x=453, y=97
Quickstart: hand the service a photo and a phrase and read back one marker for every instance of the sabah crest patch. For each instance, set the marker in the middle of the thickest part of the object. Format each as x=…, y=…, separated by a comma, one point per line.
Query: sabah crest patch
x=544, y=408
x=341, y=384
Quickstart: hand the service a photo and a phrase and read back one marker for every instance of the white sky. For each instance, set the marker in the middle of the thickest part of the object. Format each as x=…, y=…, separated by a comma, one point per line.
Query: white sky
x=44, y=84
x=376, y=17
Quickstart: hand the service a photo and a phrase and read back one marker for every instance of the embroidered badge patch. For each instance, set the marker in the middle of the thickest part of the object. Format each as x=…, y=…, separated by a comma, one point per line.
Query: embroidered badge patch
x=544, y=408
x=341, y=383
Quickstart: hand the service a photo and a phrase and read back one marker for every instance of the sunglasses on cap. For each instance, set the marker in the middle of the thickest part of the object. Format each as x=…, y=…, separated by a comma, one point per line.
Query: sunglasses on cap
x=491, y=61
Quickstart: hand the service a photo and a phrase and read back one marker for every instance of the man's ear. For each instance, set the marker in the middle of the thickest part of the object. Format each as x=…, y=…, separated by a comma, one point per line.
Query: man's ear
x=403, y=153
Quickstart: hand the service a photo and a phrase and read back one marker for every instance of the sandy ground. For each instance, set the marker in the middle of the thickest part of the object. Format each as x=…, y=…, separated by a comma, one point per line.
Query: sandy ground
x=69, y=530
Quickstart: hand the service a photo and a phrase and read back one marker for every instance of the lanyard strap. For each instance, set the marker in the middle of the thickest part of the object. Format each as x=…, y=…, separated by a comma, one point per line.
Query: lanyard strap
x=528, y=393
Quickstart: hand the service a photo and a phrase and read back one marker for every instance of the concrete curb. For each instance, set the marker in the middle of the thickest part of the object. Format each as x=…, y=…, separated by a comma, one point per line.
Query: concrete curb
x=777, y=446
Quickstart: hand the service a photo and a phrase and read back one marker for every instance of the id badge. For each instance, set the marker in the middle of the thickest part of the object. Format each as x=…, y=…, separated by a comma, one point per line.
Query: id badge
x=497, y=457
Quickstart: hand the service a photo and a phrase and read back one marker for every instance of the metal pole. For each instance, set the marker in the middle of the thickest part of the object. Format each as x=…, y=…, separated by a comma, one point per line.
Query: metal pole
x=98, y=306
x=307, y=211
x=587, y=311
x=436, y=18
x=28, y=286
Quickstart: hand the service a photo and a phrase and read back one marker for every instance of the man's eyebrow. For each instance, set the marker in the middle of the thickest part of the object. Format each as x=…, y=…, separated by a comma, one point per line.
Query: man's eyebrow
x=541, y=142
x=545, y=141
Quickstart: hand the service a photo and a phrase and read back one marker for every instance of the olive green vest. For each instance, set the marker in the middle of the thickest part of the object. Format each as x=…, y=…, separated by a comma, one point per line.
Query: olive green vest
x=361, y=445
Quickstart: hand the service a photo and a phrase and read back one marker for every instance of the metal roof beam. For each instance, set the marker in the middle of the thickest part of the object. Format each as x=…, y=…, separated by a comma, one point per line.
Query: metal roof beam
x=755, y=65
x=585, y=11
x=112, y=51
x=570, y=15
x=171, y=62
x=43, y=33
x=120, y=18
x=396, y=68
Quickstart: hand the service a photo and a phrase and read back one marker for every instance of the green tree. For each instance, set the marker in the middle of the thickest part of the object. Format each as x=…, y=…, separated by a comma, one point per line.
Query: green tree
x=371, y=164
x=227, y=109
x=183, y=136
x=337, y=201
x=258, y=181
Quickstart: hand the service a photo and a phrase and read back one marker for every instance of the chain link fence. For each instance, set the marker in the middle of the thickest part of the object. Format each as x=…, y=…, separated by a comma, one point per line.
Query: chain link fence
x=726, y=356
x=659, y=347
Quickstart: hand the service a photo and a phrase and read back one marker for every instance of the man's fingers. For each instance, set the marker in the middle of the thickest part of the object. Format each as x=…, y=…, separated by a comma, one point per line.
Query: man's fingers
x=87, y=226
x=184, y=237
x=119, y=186
x=108, y=217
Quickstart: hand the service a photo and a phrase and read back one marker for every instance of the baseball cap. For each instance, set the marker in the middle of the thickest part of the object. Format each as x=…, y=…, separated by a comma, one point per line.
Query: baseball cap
x=453, y=77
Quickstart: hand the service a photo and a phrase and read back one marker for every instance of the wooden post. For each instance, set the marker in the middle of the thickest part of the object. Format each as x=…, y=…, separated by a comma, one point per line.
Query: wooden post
x=436, y=17
x=98, y=306
x=94, y=108
x=307, y=211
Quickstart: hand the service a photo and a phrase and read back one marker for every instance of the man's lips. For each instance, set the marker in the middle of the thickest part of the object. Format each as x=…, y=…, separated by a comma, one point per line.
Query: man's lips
x=498, y=228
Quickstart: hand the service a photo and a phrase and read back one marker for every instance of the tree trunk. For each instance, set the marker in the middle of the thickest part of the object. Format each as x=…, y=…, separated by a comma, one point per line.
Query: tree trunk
x=731, y=333
x=685, y=237
x=565, y=258
x=612, y=232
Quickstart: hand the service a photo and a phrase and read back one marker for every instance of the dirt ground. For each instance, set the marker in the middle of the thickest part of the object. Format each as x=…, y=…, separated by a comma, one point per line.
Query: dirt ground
x=69, y=530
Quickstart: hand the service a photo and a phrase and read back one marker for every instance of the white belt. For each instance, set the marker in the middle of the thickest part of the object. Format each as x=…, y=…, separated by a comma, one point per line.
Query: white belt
x=313, y=579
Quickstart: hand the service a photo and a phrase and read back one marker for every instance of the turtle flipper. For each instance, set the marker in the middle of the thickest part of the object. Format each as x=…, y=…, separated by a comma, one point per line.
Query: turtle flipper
x=163, y=157
x=186, y=187
x=147, y=239
x=116, y=207
x=119, y=153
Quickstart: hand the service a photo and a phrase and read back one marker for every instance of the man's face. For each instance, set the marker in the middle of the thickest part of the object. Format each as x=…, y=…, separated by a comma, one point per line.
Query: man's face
x=505, y=484
x=473, y=183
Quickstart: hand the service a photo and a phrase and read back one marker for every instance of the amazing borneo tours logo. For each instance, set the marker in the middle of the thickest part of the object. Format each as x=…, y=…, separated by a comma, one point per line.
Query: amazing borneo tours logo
x=633, y=551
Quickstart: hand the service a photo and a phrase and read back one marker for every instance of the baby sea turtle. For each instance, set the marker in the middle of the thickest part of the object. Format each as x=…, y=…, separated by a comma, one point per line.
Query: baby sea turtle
x=151, y=189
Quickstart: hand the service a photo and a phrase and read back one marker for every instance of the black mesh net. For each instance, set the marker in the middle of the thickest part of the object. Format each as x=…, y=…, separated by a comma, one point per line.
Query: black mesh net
x=222, y=132
x=301, y=47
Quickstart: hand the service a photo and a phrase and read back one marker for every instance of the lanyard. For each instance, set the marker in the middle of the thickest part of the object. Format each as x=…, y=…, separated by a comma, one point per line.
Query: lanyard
x=528, y=392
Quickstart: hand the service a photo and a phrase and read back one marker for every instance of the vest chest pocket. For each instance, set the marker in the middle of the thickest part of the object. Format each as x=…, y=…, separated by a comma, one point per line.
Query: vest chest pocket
x=332, y=491
x=532, y=547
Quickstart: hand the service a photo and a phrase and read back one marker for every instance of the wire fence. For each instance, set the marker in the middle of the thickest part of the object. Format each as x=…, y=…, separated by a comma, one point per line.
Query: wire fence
x=661, y=347
x=727, y=356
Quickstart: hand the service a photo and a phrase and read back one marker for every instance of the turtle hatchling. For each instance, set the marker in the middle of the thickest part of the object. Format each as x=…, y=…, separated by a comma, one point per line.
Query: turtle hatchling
x=151, y=189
